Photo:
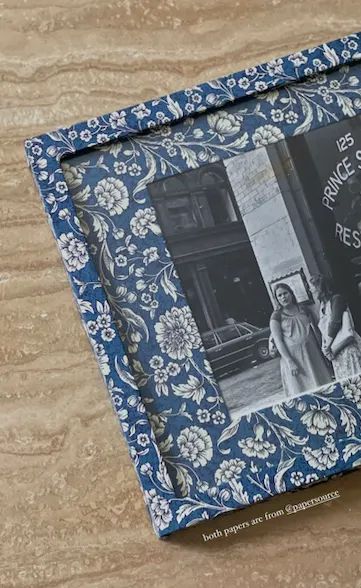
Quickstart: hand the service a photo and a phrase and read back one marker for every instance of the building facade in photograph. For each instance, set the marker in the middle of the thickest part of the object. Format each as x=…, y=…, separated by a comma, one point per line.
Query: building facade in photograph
x=278, y=213
x=212, y=251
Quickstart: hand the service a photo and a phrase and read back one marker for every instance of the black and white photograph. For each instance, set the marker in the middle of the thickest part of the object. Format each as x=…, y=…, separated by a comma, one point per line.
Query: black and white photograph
x=267, y=246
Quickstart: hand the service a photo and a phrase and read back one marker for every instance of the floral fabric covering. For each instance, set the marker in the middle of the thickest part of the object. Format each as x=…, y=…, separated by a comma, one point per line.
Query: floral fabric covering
x=193, y=463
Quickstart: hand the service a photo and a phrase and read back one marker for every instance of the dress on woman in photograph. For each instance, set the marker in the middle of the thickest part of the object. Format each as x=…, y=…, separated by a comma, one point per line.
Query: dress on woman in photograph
x=303, y=366
x=347, y=362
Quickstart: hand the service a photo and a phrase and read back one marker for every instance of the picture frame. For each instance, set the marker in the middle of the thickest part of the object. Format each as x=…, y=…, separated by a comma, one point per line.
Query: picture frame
x=193, y=461
x=298, y=282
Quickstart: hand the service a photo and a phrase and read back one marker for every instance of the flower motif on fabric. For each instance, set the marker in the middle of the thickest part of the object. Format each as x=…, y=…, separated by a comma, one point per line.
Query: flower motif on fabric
x=298, y=59
x=150, y=254
x=229, y=470
x=266, y=135
x=74, y=252
x=297, y=478
x=323, y=458
x=275, y=67
x=195, y=445
x=177, y=333
x=203, y=415
x=103, y=358
x=352, y=391
x=143, y=221
x=73, y=175
x=160, y=378
x=159, y=508
x=224, y=124
x=117, y=119
x=218, y=418
x=310, y=478
x=257, y=446
x=158, y=424
x=112, y=194
x=141, y=111
x=319, y=421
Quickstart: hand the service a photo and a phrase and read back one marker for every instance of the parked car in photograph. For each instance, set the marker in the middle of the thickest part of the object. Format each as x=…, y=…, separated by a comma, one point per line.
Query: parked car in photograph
x=234, y=347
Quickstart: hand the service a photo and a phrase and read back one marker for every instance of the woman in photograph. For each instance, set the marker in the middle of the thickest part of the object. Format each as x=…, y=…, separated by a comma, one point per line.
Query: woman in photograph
x=347, y=361
x=303, y=366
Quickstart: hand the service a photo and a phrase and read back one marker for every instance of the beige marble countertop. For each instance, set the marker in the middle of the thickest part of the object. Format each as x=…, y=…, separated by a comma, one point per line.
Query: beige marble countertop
x=72, y=514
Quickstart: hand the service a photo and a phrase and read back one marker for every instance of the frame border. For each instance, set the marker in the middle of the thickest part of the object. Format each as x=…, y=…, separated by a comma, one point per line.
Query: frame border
x=168, y=512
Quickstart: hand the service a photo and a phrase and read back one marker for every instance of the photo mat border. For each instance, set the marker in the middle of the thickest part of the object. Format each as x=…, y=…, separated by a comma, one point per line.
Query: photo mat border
x=44, y=153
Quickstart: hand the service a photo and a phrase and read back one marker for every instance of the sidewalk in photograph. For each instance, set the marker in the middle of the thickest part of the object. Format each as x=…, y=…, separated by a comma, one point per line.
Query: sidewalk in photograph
x=252, y=389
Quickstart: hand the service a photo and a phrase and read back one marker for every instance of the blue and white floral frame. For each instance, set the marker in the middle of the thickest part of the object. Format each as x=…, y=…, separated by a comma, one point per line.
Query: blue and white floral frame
x=161, y=385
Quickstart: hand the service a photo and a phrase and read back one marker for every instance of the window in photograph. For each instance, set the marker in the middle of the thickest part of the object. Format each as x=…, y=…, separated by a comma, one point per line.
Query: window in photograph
x=201, y=200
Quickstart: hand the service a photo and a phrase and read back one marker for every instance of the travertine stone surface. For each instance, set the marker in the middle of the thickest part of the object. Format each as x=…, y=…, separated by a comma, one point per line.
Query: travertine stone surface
x=71, y=511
